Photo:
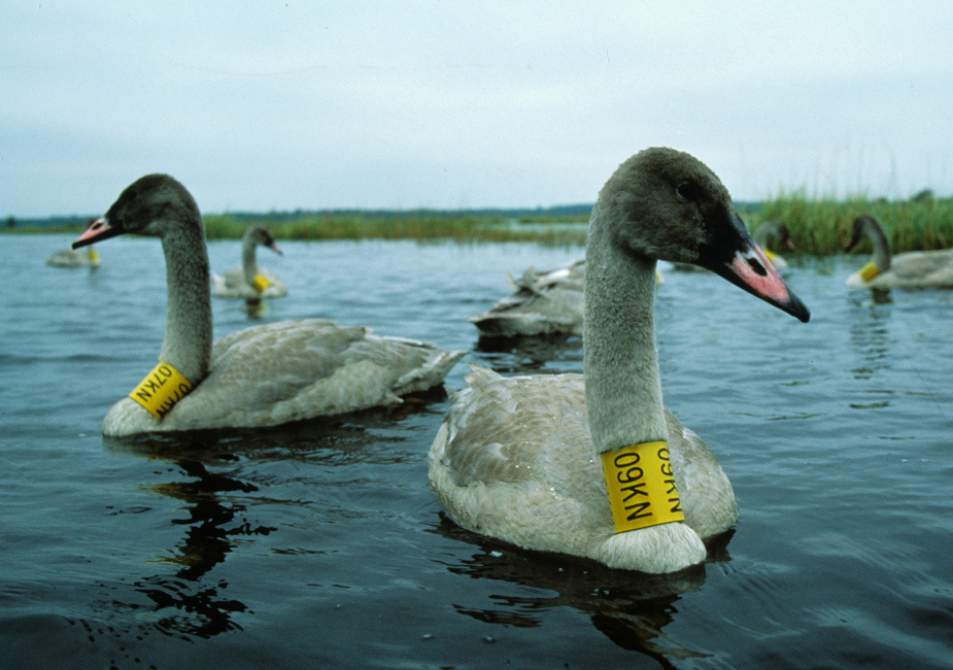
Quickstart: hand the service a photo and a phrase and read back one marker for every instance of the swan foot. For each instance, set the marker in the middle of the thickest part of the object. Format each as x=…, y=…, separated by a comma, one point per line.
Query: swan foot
x=660, y=549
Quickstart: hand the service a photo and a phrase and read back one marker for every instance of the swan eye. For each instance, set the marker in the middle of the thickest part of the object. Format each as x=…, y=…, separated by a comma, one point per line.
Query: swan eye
x=686, y=190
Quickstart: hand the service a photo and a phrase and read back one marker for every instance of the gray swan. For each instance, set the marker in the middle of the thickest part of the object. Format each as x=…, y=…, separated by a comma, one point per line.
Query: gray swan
x=915, y=269
x=250, y=281
x=527, y=459
x=261, y=376
x=550, y=302
x=542, y=303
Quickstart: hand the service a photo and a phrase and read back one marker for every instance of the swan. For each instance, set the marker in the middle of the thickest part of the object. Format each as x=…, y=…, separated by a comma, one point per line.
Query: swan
x=67, y=258
x=761, y=236
x=526, y=459
x=915, y=269
x=542, y=303
x=249, y=281
x=261, y=376
x=765, y=232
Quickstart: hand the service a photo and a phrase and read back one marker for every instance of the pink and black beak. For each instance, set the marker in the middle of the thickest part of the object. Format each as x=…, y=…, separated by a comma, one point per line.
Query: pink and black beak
x=733, y=255
x=98, y=231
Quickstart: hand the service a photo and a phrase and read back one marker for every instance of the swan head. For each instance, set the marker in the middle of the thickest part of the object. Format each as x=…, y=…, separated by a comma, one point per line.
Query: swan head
x=667, y=205
x=259, y=235
x=145, y=207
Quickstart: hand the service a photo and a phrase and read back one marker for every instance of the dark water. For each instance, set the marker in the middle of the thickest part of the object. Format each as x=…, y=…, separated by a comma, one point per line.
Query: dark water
x=321, y=546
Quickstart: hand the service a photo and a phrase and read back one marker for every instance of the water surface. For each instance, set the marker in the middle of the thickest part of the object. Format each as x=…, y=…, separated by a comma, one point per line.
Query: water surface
x=320, y=544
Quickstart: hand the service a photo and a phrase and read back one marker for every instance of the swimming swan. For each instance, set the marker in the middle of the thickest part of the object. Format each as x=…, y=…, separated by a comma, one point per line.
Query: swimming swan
x=915, y=269
x=262, y=376
x=542, y=303
x=67, y=258
x=525, y=459
x=249, y=281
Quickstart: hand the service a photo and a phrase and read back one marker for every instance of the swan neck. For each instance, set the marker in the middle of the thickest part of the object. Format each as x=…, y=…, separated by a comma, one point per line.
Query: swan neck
x=623, y=385
x=881, y=246
x=187, y=345
x=249, y=260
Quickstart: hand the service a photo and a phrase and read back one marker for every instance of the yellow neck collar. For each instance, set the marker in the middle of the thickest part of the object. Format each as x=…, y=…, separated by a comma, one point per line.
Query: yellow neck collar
x=869, y=271
x=260, y=283
x=641, y=486
x=161, y=390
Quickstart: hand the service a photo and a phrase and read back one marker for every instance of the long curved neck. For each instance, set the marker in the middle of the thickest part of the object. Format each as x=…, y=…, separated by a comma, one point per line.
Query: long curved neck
x=881, y=245
x=187, y=345
x=249, y=262
x=623, y=386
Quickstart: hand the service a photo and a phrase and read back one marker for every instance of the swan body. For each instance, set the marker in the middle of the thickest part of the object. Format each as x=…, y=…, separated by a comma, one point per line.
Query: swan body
x=519, y=458
x=261, y=376
x=542, y=303
x=915, y=269
x=68, y=258
x=244, y=282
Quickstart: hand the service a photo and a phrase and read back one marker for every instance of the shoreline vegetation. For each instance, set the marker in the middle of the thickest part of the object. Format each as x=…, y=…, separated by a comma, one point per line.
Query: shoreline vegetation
x=818, y=226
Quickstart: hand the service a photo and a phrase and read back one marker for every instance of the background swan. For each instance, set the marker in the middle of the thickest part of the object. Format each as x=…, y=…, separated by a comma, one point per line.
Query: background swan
x=261, y=376
x=542, y=303
x=915, y=269
x=250, y=281
x=519, y=458
x=68, y=258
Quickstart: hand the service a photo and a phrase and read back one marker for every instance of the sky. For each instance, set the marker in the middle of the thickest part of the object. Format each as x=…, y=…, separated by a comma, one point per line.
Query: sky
x=260, y=106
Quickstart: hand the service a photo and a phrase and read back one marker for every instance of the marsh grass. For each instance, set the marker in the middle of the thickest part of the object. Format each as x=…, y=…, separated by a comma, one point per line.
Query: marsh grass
x=413, y=227
x=818, y=226
x=821, y=227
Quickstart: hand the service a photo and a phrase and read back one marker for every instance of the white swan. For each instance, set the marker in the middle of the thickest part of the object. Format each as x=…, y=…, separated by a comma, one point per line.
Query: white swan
x=261, y=376
x=249, y=281
x=915, y=269
x=514, y=458
x=542, y=303
x=67, y=258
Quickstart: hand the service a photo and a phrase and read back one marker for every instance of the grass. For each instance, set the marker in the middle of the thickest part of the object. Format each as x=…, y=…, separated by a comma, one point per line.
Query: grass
x=821, y=227
x=818, y=226
x=421, y=227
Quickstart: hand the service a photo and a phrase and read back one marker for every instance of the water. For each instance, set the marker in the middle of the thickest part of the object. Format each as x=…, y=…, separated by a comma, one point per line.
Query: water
x=320, y=545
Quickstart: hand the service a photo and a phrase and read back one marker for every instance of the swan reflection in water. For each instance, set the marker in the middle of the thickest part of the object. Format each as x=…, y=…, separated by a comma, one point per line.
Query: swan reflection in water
x=629, y=608
x=189, y=603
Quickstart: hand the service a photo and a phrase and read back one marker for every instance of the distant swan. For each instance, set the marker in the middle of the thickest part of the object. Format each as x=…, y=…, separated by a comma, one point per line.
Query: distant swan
x=249, y=281
x=261, y=376
x=542, y=303
x=915, y=269
x=67, y=258
x=526, y=459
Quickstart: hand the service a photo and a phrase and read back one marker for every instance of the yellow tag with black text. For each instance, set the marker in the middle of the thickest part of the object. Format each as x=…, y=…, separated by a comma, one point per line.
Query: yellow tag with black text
x=641, y=486
x=260, y=283
x=869, y=271
x=161, y=389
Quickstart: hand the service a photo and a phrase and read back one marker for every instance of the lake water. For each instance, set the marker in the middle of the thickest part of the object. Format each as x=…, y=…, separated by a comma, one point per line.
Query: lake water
x=320, y=545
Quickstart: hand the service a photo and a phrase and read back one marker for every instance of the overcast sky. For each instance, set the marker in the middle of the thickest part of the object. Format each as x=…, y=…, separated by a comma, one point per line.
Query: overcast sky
x=284, y=105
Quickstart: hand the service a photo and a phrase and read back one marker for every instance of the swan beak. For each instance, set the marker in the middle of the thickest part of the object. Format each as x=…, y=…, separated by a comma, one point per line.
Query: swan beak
x=274, y=247
x=98, y=230
x=751, y=270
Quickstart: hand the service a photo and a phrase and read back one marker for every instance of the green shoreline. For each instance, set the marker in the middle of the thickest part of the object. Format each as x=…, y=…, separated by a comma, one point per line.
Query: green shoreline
x=818, y=227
